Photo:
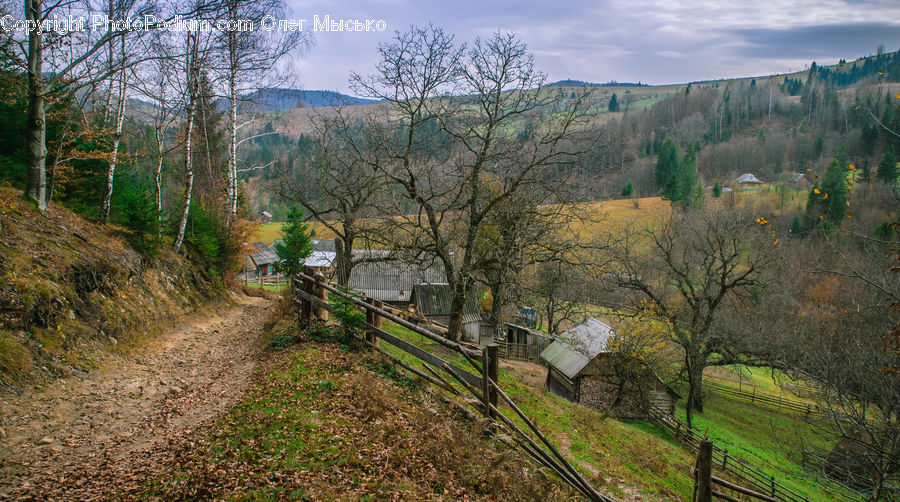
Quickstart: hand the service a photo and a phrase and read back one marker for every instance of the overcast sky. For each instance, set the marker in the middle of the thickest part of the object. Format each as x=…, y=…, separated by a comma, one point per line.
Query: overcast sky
x=651, y=41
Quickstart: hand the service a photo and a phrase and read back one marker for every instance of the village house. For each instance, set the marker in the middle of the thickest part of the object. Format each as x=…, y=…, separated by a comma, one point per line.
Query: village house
x=579, y=369
x=379, y=275
x=799, y=180
x=748, y=181
x=263, y=259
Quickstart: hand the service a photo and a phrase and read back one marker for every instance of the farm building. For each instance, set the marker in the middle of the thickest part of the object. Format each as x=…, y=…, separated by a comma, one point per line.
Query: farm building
x=748, y=181
x=381, y=276
x=263, y=259
x=580, y=371
x=799, y=180
x=432, y=300
x=265, y=217
x=321, y=259
x=523, y=343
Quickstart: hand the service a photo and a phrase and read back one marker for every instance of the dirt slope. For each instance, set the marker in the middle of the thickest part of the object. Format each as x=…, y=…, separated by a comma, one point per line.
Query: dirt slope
x=72, y=438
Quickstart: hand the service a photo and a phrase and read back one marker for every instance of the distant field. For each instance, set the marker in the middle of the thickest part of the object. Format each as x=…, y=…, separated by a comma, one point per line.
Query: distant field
x=610, y=214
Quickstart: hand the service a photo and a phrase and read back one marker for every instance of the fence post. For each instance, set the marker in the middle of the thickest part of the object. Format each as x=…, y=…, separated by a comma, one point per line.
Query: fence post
x=322, y=294
x=370, y=319
x=493, y=370
x=725, y=460
x=773, y=486
x=377, y=319
x=305, y=305
x=703, y=473
x=485, y=384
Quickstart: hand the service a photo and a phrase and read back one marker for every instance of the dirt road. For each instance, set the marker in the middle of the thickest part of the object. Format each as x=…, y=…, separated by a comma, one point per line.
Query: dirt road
x=82, y=433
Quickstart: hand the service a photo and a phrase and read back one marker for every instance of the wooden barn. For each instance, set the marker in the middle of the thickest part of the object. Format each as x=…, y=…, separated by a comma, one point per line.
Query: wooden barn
x=523, y=343
x=432, y=300
x=579, y=370
x=380, y=275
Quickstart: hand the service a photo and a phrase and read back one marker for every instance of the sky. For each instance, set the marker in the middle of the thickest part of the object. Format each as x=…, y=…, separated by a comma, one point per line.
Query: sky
x=651, y=41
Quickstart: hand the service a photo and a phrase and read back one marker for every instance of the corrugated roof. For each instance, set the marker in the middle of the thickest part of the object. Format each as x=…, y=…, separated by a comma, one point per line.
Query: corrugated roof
x=264, y=255
x=747, y=178
x=434, y=299
x=323, y=245
x=390, y=280
x=320, y=259
x=577, y=347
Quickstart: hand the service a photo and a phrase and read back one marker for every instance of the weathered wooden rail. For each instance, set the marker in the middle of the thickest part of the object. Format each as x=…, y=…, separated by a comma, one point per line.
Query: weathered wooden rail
x=763, y=399
x=311, y=296
x=721, y=459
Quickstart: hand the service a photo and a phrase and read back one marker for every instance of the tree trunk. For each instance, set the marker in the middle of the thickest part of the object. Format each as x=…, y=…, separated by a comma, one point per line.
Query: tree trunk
x=189, y=173
x=158, y=179
x=35, y=125
x=117, y=137
x=188, y=146
x=457, y=307
x=232, y=148
x=695, y=366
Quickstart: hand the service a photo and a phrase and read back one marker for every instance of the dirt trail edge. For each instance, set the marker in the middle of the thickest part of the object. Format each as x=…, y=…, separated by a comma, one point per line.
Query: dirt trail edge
x=58, y=442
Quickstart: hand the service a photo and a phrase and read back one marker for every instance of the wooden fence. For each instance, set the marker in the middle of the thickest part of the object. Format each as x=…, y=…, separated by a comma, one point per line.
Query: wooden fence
x=758, y=481
x=311, y=295
x=771, y=401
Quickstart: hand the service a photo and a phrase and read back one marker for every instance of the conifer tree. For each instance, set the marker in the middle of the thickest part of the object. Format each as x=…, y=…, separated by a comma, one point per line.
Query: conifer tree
x=887, y=169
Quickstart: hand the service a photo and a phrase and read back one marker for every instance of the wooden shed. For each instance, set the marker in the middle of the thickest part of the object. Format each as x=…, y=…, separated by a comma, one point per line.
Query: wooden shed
x=523, y=343
x=579, y=370
x=432, y=300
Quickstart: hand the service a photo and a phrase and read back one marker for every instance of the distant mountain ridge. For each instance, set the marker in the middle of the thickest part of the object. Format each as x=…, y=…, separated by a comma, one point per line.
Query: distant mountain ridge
x=276, y=99
x=581, y=83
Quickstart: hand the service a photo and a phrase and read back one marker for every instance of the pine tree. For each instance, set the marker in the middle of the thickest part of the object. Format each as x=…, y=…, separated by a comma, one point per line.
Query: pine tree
x=296, y=242
x=828, y=201
x=628, y=190
x=687, y=178
x=667, y=170
x=614, y=103
x=887, y=169
x=717, y=190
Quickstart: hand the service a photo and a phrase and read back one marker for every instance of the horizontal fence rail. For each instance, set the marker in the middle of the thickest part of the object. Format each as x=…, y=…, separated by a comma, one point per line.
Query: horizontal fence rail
x=764, y=399
x=759, y=481
x=311, y=295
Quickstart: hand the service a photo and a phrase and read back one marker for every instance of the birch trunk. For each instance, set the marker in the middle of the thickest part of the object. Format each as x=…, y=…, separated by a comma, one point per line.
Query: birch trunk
x=189, y=139
x=117, y=137
x=35, y=125
x=232, y=150
x=189, y=173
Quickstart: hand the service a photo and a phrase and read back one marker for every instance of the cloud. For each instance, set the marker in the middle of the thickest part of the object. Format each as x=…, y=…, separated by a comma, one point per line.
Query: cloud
x=848, y=40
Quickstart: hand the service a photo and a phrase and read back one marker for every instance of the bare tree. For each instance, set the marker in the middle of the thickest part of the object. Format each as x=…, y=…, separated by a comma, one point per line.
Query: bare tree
x=247, y=60
x=696, y=269
x=346, y=185
x=155, y=85
x=450, y=146
x=64, y=62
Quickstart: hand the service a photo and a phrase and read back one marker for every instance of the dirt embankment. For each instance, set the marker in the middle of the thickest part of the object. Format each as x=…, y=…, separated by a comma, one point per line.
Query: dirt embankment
x=74, y=291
